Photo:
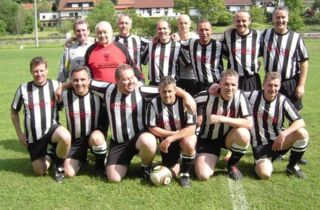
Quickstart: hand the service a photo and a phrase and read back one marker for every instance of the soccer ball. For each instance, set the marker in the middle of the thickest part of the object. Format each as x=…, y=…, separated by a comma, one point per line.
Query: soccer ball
x=160, y=175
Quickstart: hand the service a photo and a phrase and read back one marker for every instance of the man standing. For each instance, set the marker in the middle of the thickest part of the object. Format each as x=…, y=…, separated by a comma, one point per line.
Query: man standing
x=73, y=55
x=175, y=128
x=40, y=120
x=269, y=137
x=134, y=43
x=161, y=55
x=241, y=46
x=205, y=55
x=225, y=124
x=82, y=111
x=285, y=52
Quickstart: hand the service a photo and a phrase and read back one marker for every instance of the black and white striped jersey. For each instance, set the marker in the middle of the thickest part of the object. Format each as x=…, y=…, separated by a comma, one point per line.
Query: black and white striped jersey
x=237, y=107
x=206, y=60
x=40, y=108
x=170, y=117
x=135, y=46
x=242, y=52
x=268, y=116
x=82, y=112
x=126, y=113
x=162, y=59
x=283, y=52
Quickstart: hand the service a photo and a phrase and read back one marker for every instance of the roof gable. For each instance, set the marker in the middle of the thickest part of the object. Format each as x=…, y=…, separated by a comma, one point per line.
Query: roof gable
x=238, y=2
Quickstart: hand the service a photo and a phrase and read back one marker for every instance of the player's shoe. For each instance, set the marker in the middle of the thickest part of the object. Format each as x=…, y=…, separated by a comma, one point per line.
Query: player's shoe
x=59, y=174
x=302, y=162
x=295, y=170
x=184, y=181
x=145, y=174
x=234, y=173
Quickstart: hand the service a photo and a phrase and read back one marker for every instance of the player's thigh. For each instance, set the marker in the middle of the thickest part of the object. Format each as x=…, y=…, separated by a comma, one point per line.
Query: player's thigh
x=239, y=135
x=293, y=137
x=146, y=140
x=61, y=134
x=188, y=144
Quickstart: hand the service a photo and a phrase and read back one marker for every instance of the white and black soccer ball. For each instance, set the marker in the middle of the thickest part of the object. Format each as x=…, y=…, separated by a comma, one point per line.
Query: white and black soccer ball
x=160, y=175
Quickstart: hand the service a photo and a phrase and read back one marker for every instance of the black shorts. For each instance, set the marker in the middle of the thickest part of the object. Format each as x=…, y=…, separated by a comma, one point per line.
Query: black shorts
x=122, y=153
x=265, y=151
x=211, y=146
x=250, y=83
x=188, y=85
x=288, y=88
x=79, y=148
x=201, y=87
x=103, y=120
x=38, y=148
x=172, y=157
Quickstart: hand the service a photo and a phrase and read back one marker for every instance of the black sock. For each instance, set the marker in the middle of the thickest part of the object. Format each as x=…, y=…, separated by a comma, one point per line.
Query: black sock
x=100, y=160
x=186, y=163
x=294, y=158
x=235, y=157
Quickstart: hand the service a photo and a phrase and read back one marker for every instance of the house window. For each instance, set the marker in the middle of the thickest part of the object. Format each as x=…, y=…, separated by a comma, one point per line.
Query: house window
x=71, y=14
x=149, y=12
x=158, y=10
x=74, y=5
x=76, y=14
x=43, y=17
x=54, y=17
x=85, y=5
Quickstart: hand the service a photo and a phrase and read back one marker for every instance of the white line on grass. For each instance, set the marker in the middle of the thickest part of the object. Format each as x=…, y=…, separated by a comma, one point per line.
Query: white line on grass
x=238, y=198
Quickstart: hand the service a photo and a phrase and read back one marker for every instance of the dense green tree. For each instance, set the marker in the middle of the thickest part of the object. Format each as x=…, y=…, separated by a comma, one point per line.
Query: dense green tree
x=209, y=9
x=8, y=12
x=316, y=4
x=295, y=14
x=3, y=27
x=257, y=14
x=102, y=12
x=182, y=6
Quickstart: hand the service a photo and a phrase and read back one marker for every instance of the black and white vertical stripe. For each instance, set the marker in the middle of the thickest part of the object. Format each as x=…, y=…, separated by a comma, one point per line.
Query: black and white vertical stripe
x=126, y=113
x=135, y=46
x=237, y=107
x=169, y=117
x=162, y=59
x=206, y=60
x=283, y=52
x=242, y=51
x=268, y=116
x=40, y=108
x=82, y=113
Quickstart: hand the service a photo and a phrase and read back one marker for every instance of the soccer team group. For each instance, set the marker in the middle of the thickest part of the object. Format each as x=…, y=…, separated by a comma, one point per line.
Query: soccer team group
x=192, y=105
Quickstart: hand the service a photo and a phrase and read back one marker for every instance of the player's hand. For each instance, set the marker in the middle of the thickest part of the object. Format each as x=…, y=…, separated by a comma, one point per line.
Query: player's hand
x=164, y=145
x=58, y=93
x=23, y=139
x=214, y=89
x=299, y=91
x=175, y=37
x=278, y=142
x=215, y=119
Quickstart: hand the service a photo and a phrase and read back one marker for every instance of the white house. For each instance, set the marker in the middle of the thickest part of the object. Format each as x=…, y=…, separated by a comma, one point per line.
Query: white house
x=49, y=19
x=236, y=5
x=72, y=9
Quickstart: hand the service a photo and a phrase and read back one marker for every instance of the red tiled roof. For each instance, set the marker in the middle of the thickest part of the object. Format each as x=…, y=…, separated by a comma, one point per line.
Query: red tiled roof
x=144, y=4
x=63, y=3
x=27, y=6
x=238, y=2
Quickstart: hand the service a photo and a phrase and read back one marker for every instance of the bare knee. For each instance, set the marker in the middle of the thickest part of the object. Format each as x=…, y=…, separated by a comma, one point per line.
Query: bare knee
x=264, y=168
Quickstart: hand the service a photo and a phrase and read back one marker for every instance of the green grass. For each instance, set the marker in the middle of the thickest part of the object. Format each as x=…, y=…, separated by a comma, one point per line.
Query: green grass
x=19, y=188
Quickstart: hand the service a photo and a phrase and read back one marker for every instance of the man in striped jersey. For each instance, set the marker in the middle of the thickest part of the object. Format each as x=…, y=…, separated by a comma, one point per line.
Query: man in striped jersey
x=241, y=47
x=285, y=52
x=175, y=127
x=162, y=54
x=226, y=120
x=82, y=111
x=269, y=137
x=73, y=55
x=205, y=55
x=134, y=43
x=40, y=120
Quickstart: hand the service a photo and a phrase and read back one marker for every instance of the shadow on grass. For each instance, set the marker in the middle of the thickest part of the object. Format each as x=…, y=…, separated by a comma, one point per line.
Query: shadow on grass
x=13, y=145
x=17, y=165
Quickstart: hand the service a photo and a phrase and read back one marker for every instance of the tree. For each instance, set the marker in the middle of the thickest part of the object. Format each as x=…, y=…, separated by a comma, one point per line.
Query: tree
x=182, y=6
x=316, y=4
x=295, y=14
x=209, y=9
x=257, y=15
x=102, y=12
x=8, y=9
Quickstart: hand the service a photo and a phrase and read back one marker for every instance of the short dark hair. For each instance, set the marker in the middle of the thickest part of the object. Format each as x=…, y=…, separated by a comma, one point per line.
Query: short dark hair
x=284, y=8
x=37, y=61
x=80, y=21
x=229, y=72
x=167, y=80
x=203, y=21
x=81, y=68
x=272, y=75
x=121, y=68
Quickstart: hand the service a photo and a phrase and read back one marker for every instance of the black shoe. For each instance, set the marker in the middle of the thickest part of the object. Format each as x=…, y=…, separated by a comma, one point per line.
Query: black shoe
x=302, y=162
x=145, y=174
x=185, y=181
x=234, y=173
x=59, y=174
x=99, y=171
x=295, y=170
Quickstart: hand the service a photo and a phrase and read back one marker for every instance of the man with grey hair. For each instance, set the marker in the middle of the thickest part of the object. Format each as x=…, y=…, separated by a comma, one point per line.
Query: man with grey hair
x=75, y=50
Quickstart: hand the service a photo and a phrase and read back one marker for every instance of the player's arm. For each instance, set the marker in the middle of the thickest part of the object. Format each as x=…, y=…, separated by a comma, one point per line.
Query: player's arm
x=304, y=65
x=61, y=87
x=16, y=123
x=188, y=100
x=245, y=122
x=160, y=132
x=278, y=142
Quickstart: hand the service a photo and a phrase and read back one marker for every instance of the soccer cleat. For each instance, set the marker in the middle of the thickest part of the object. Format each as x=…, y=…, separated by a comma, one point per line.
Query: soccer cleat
x=302, y=162
x=59, y=174
x=145, y=174
x=295, y=170
x=184, y=181
x=234, y=173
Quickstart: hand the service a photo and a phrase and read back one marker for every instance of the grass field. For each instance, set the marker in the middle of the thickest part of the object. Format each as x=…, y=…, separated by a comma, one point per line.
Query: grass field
x=20, y=189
